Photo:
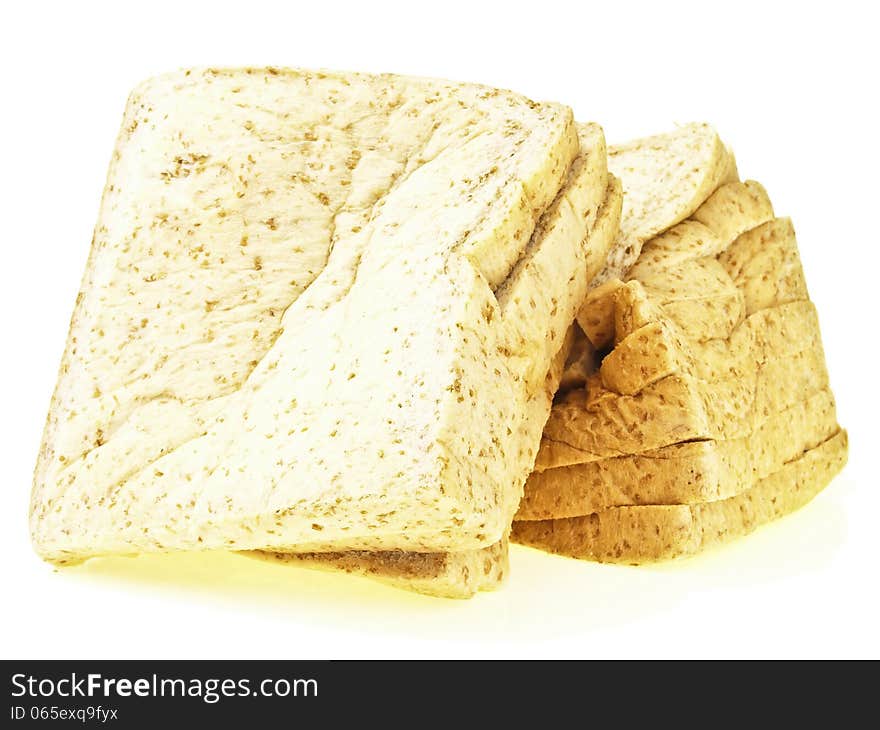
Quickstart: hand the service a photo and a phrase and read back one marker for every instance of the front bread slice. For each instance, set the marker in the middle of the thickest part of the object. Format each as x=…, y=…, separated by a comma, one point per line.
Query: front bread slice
x=302, y=320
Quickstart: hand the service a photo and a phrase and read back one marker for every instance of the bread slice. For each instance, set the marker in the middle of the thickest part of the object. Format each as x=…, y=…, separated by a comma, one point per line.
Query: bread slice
x=660, y=532
x=666, y=178
x=313, y=309
x=733, y=209
x=666, y=265
x=461, y=574
x=441, y=574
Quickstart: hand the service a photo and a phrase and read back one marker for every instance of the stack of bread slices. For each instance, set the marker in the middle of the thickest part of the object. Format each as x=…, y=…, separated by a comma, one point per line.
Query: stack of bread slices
x=708, y=411
x=326, y=317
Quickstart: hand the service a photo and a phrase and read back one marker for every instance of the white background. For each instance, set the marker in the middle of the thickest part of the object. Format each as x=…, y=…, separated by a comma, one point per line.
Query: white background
x=792, y=87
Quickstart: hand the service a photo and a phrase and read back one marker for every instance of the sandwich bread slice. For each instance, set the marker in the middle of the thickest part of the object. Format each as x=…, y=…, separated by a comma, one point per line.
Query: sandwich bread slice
x=313, y=316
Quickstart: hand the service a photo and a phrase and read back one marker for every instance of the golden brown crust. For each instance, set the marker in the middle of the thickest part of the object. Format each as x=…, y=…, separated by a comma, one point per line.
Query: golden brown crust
x=444, y=575
x=706, y=344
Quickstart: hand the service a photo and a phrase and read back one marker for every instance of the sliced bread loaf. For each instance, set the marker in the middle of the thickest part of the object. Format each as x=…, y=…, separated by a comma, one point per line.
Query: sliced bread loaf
x=682, y=473
x=697, y=334
x=709, y=411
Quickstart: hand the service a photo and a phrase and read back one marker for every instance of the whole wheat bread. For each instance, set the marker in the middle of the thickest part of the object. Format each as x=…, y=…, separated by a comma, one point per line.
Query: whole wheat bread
x=693, y=347
x=681, y=473
x=711, y=391
x=313, y=309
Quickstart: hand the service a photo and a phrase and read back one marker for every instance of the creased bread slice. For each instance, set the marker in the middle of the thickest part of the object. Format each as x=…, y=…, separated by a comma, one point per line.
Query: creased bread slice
x=309, y=317
x=665, y=178
x=660, y=532
x=667, y=262
x=662, y=382
x=461, y=574
x=603, y=423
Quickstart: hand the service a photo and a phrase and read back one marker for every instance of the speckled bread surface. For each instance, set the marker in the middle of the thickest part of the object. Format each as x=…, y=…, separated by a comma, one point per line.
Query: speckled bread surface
x=709, y=409
x=599, y=422
x=651, y=533
x=461, y=574
x=668, y=378
x=312, y=310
